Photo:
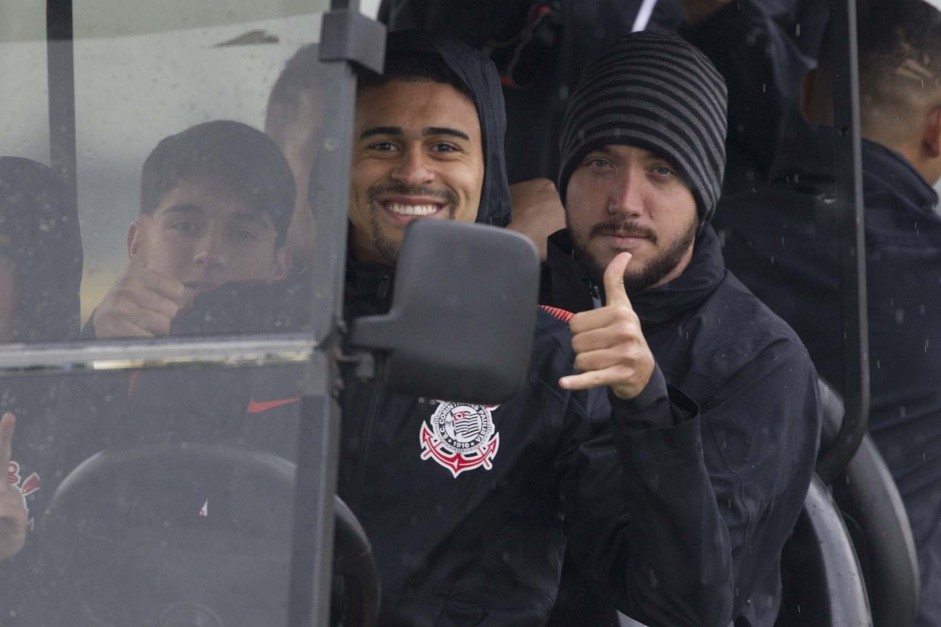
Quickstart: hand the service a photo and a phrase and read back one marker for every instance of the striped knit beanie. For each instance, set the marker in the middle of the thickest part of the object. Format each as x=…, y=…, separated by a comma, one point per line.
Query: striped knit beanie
x=655, y=91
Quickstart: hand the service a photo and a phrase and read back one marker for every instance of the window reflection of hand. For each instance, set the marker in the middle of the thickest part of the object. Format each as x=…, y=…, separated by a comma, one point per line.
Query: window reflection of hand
x=13, y=515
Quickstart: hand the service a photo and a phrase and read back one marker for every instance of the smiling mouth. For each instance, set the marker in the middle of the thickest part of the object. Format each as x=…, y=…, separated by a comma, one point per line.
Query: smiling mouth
x=409, y=210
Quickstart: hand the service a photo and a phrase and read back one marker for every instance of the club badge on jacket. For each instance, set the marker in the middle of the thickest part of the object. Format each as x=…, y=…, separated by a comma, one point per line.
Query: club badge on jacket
x=461, y=436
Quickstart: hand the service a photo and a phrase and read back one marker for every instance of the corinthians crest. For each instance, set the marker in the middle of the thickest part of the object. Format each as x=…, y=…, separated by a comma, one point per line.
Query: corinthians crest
x=462, y=437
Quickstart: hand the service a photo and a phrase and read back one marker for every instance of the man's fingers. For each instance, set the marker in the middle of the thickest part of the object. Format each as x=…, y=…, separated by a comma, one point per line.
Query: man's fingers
x=165, y=286
x=7, y=425
x=594, y=379
x=614, y=291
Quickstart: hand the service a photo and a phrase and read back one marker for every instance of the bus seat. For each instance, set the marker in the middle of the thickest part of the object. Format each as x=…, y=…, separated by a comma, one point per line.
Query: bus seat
x=875, y=516
x=822, y=582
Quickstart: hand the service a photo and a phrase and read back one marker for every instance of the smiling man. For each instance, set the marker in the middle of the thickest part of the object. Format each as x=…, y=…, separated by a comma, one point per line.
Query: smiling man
x=418, y=154
x=216, y=201
x=642, y=162
x=469, y=507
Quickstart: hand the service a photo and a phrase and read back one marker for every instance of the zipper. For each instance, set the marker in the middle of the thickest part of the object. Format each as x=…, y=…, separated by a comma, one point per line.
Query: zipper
x=360, y=483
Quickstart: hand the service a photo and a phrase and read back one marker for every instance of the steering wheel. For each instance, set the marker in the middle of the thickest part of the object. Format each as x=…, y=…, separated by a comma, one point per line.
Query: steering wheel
x=187, y=535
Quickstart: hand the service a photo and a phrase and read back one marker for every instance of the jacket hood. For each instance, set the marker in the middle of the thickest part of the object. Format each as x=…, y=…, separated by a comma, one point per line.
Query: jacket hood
x=480, y=76
x=46, y=248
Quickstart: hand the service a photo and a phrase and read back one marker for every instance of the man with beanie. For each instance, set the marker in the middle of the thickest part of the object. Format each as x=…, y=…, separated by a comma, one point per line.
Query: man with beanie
x=642, y=148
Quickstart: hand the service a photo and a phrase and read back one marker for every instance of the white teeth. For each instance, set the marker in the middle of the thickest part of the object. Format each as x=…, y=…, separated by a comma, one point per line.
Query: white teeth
x=412, y=210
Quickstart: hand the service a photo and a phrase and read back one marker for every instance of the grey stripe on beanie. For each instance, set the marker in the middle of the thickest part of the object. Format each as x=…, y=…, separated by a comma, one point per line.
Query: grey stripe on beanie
x=655, y=91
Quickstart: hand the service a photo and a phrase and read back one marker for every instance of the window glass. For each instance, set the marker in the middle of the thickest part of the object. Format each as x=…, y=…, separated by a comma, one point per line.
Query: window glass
x=160, y=495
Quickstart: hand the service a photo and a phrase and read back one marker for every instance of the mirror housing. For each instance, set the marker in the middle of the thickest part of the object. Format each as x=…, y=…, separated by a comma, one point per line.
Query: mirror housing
x=463, y=313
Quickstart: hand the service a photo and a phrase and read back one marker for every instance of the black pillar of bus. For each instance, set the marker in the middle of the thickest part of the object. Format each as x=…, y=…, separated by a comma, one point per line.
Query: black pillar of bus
x=851, y=221
x=347, y=38
x=60, y=66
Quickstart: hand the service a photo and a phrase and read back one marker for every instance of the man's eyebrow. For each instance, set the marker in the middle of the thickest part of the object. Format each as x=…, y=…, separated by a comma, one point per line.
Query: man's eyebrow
x=444, y=130
x=254, y=217
x=185, y=208
x=381, y=130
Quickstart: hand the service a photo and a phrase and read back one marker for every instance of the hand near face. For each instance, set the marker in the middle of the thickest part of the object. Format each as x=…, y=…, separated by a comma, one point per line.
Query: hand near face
x=141, y=304
x=537, y=211
x=13, y=516
x=609, y=346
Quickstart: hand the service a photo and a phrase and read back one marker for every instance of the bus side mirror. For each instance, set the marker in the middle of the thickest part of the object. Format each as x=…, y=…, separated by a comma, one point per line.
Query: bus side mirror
x=463, y=312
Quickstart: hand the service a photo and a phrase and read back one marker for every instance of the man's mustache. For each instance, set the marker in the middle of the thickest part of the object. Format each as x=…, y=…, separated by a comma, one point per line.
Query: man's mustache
x=623, y=228
x=447, y=196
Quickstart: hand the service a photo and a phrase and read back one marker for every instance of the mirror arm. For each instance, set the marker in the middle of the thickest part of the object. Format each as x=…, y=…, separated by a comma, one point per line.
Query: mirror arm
x=363, y=363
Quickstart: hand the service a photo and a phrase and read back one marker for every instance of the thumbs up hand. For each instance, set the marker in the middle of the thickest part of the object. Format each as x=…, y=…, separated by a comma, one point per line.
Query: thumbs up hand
x=609, y=345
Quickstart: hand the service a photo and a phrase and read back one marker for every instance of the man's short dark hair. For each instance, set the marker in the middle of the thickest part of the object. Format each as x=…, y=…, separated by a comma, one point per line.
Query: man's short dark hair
x=893, y=33
x=899, y=52
x=409, y=65
x=233, y=153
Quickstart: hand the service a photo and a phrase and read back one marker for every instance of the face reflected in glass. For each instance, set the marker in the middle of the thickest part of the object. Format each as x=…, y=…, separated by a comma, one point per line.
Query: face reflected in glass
x=204, y=234
x=418, y=154
x=7, y=284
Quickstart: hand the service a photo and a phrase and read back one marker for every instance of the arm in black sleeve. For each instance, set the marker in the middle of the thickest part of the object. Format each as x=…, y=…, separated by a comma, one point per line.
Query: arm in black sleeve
x=677, y=524
x=645, y=528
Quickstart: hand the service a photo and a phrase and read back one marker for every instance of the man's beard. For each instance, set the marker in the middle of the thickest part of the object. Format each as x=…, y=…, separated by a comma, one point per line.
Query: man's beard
x=654, y=270
x=386, y=247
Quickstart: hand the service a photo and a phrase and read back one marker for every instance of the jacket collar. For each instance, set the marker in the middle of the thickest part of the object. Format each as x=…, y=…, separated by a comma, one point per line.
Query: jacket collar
x=808, y=153
x=572, y=288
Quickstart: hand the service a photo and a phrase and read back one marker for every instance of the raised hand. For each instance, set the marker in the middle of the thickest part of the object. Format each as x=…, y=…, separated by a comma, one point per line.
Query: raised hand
x=13, y=515
x=141, y=304
x=609, y=345
x=537, y=211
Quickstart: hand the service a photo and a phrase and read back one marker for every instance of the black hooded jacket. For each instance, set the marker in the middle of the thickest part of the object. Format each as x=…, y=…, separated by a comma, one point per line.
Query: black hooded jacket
x=788, y=255
x=484, y=544
x=758, y=423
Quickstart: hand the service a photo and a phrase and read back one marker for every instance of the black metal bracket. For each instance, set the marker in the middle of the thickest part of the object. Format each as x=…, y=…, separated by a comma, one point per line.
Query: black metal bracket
x=348, y=35
x=363, y=363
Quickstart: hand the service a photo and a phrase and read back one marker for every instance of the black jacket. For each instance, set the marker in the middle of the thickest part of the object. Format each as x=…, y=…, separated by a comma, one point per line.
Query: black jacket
x=486, y=544
x=462, y=540
x=785, y=250
x=759, y=420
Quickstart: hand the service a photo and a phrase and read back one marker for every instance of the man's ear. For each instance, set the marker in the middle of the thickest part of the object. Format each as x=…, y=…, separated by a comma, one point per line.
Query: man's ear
x=282, y=263
x=134, y=239
x=931, y=134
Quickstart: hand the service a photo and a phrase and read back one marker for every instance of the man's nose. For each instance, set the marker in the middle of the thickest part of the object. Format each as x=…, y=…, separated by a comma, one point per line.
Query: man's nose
x=413, y=168
x=627, y=194
x=211, y=249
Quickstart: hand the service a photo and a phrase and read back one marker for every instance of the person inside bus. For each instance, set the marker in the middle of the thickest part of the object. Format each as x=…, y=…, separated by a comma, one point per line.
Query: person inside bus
x=541, y=48
x=780, y=245
x=215, y=206
x=40, y=276
x=428, y=145
x=643, y=151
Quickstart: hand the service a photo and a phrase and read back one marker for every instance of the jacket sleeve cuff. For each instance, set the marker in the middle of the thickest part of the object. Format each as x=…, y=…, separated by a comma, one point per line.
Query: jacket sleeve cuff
x=657, y=406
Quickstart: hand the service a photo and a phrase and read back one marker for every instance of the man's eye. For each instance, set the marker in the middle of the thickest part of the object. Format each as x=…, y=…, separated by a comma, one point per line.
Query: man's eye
x=382, y=146
x=662, y=171
x=444, y=147
x=243, y=235
x=185, y=226
x=598, y=163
